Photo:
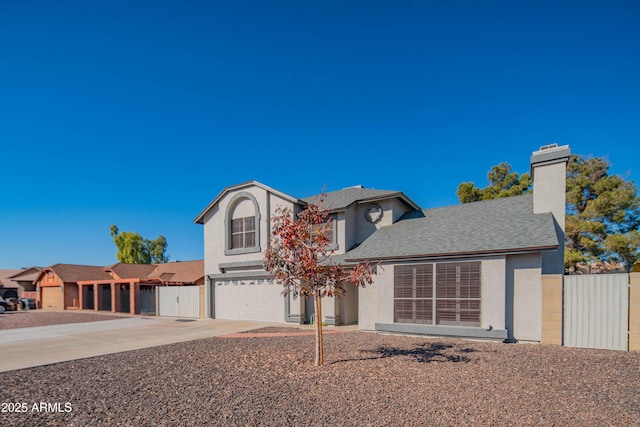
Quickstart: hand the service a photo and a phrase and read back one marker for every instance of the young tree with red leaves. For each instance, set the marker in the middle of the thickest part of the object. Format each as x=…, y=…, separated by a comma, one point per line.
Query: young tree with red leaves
x=299, y=258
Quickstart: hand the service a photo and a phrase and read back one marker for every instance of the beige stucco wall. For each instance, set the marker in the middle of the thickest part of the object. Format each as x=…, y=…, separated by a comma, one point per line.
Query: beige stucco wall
x=492, y=309
x=349, y=305
x=524, y=297
x=634, y=312
x=549, y=189
x=392, y=210
x=368, y=297
x=376, y=301
x=329, y=308
x=349, y=228
x=215, y=230
x=353, y=228
x=340, y=232
x=385, y=291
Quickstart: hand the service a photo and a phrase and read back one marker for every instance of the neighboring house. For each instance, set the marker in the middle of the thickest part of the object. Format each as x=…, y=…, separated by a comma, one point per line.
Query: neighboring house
x=58, y=288
x=472, y=270
x=9, y=286
x=119, y=288
x=24, y=279
x=18, y=283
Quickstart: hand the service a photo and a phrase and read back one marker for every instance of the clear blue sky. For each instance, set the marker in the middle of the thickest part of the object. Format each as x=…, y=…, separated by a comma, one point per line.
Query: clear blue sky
x=139, y=114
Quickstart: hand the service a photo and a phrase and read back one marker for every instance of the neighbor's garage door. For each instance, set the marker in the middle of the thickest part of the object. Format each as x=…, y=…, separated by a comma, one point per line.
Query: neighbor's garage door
x=249, y=300
x=52, y=297
x=179, y=301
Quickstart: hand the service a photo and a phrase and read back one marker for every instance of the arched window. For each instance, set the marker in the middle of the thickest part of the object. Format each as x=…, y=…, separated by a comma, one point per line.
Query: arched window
x=243, y=225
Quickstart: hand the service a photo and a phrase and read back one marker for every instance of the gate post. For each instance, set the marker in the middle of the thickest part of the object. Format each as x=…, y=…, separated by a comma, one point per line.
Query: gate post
x=552, y=307
x=634, y=311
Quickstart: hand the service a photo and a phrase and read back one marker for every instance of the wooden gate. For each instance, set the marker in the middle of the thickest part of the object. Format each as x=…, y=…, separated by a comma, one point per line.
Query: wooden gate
x=596, y=311
x=179, y=301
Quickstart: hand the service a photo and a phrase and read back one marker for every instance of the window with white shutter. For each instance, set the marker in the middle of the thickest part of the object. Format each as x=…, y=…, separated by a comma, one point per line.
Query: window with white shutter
x=454, y=300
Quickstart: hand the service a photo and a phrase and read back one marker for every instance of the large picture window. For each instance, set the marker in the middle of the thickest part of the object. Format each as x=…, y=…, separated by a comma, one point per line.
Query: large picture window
x=438, y=293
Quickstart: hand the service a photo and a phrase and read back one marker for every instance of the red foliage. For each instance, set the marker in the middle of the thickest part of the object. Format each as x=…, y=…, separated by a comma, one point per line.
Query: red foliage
x=299, y=255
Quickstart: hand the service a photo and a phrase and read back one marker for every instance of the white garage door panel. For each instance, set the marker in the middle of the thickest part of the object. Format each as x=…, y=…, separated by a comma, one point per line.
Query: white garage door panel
x=240, y=300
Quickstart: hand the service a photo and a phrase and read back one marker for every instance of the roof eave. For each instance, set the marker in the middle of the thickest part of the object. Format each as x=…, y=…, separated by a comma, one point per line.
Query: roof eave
x=456, y=254
x=398, y=194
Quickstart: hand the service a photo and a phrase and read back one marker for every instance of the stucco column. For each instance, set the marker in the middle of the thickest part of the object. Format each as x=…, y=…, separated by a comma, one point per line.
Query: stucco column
x=634, y=311
x=96, y=300
x=552, y=307
x=81, y=296
x=113, y=298
x=330, y=311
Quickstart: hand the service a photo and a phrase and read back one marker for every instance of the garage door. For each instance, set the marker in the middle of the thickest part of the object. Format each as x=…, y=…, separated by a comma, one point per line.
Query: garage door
x=52, y=298
x=249, y=300
x=179, y=301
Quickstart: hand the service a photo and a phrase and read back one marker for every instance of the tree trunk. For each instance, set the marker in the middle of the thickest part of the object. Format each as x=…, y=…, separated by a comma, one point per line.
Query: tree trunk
x=319, y=345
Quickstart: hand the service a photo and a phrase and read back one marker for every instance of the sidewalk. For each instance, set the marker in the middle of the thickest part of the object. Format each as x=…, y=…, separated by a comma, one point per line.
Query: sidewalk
x=43, y=345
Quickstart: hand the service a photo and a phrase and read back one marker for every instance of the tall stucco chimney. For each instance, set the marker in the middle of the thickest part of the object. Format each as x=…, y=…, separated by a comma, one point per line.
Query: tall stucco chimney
x=549, y=173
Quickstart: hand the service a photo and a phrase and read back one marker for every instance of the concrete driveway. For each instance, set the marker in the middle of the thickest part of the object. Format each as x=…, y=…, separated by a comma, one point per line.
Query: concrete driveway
x=43, y=345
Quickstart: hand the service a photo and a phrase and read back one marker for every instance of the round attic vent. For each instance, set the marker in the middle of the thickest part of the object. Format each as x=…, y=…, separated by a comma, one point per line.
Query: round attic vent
x=373, y=213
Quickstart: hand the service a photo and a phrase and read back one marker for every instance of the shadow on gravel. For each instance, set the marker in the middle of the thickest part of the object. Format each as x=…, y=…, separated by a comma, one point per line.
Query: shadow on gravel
x=423, y=353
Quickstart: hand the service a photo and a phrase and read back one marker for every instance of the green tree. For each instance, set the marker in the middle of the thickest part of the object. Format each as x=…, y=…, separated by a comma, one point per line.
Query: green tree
x=603, y=210
x=603, y=214
x=134, y=249
x=502, y=183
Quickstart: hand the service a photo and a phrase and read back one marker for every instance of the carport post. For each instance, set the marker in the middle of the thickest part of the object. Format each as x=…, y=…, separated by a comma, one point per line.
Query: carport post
x=113, y=298
x=96, y=305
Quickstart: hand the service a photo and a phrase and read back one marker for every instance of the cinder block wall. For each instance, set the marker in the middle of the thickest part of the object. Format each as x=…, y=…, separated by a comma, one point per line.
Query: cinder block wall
x=552, y=308
x=634, y=312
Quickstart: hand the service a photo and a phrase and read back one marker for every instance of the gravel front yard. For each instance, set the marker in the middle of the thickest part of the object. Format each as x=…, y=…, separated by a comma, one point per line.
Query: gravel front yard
x=369, y=379
x=30, y=318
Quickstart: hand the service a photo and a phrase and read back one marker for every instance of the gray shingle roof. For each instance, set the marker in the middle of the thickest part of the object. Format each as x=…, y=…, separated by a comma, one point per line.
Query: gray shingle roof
x=336, y=200
x=500, y=225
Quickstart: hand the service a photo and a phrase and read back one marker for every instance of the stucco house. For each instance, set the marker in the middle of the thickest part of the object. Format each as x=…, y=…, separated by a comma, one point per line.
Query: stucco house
x=471, y=270
x=24, y=279
x=7, y=284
